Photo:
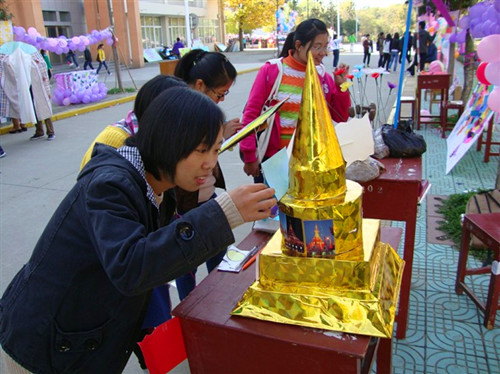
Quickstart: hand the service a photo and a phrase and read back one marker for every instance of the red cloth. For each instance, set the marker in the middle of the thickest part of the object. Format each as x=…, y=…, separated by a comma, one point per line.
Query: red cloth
x=164, y=349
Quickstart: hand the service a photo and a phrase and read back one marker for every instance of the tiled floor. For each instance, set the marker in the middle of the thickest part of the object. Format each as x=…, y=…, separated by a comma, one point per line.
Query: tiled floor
x=445, y=330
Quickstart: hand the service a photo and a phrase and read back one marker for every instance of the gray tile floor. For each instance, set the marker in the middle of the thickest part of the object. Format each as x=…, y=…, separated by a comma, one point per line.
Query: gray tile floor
x=445, y=330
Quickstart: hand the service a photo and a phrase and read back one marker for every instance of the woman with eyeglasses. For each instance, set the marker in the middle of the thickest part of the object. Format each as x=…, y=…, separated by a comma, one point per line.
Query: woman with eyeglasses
x=212, y=74
x=310, y=36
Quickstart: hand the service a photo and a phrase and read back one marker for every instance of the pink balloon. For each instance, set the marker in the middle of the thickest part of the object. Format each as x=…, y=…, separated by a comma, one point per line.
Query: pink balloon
x=492, y=73
x=75, y=40
x=66, y=101
x=32, y=31
x=487, y=49
x=494, y=100
x=109, y=41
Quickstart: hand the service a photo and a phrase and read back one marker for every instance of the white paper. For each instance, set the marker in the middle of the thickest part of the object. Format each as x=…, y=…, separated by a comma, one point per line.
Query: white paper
x=356, y=139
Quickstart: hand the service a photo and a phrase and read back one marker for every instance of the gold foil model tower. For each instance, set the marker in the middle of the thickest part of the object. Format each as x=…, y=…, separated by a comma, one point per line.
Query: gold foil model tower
x=325, y=267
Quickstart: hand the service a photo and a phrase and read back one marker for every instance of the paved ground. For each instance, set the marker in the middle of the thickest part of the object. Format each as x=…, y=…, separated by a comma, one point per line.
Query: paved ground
x=36, y=175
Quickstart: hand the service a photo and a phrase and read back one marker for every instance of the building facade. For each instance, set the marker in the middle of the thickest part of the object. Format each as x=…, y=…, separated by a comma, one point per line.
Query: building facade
x=138, y=24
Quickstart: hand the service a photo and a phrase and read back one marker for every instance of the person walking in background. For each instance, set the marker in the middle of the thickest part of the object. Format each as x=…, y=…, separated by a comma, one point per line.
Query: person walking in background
x=2, y=152
x=175, y=49
x=380, y=49
x=394, y=53
x=334, y=46
x=17, y=126
x=431, y=52
x=409, y=46
x=43, y=52
x=424, y=38
x=88, y=59
x=71, y=58
x=212, y=74
x=284, y=77
x=387, y=51
x=101, y=59
x=352, y=40
x=367, y=50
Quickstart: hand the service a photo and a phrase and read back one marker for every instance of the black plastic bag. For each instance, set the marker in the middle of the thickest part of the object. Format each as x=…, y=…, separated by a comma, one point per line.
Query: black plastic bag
x=403, y=142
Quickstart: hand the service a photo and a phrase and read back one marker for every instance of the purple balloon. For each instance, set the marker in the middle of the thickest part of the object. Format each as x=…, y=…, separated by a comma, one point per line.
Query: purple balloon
x=73, y=99
x=496, y=5
x=109, y=41
x=86, y=99
x=58, y=50
x=464, y=22
x=453, y=38
x=461, y=36
x=67, y=92
x=19, y=31
x=80, y=95
x=66, y=101
x=95, y=89
x=93, y=97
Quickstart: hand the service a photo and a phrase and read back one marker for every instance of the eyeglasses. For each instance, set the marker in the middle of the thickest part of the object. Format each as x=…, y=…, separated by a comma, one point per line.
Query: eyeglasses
x=319, y=49
x=218, y=95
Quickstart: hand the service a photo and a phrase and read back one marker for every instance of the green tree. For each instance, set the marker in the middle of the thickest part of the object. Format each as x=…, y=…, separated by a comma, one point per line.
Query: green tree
x=247, y=15
x=5, y=15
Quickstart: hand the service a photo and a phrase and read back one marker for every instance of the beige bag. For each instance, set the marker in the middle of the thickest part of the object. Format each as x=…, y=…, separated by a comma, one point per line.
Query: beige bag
x=484, y=202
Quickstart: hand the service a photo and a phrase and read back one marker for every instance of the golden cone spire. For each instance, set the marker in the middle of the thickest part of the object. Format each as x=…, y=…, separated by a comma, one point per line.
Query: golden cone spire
x=317, y=167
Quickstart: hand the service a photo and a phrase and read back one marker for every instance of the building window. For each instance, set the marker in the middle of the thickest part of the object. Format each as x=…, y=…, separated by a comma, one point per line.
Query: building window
x=49, y=16
x=64, y=17
x=151, y=32
x=176, y=29
x=208, y=30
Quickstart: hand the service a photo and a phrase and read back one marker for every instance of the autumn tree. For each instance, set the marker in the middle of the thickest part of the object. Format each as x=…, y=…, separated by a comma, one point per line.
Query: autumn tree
x=248, y=15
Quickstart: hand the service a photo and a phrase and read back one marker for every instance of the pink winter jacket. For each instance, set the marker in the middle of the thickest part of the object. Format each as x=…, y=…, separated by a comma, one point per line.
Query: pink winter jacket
x=338, y=103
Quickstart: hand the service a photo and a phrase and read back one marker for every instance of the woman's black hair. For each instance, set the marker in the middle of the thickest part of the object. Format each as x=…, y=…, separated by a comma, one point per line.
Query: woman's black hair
x=213, y=68
x=151, y=89
x=173, y=126
x=305, y=32
x=288, y=45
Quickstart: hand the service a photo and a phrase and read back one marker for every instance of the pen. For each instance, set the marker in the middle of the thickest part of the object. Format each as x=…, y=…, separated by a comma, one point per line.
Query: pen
x=252, y=259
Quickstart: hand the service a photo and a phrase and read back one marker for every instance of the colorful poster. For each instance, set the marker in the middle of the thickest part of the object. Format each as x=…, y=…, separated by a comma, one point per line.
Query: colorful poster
x=470, y=125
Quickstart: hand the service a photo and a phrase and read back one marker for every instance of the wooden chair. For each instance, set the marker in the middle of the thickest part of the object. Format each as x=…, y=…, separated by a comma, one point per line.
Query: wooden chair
x=488, y=142
x=457, y=105
x=487, y=229
x=411, y=100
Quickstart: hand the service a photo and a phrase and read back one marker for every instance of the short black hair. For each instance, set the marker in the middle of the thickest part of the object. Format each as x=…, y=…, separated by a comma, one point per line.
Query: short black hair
x=306, y=31
x=422, y=24
x=100, y=45
x=151, y=89
x=213, y=68
x=173, y=126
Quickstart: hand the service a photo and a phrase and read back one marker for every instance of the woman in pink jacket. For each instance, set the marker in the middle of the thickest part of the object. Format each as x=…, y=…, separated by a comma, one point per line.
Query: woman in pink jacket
x=311, y=35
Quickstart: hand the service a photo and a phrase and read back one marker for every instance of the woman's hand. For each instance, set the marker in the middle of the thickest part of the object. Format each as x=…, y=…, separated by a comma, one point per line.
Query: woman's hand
x=340, y=73
x=253, y=201
x=252, y=168
x=231, y=127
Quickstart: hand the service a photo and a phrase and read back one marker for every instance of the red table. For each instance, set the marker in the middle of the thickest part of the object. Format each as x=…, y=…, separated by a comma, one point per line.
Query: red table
x=217, y=342
x=394, y=196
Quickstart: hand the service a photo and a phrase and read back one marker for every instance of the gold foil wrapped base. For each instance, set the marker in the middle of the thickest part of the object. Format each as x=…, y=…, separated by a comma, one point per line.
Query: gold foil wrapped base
x=358, y=297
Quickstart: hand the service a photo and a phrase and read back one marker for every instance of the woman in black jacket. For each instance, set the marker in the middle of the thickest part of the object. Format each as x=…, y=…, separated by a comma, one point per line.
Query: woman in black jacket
x=77, y=306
